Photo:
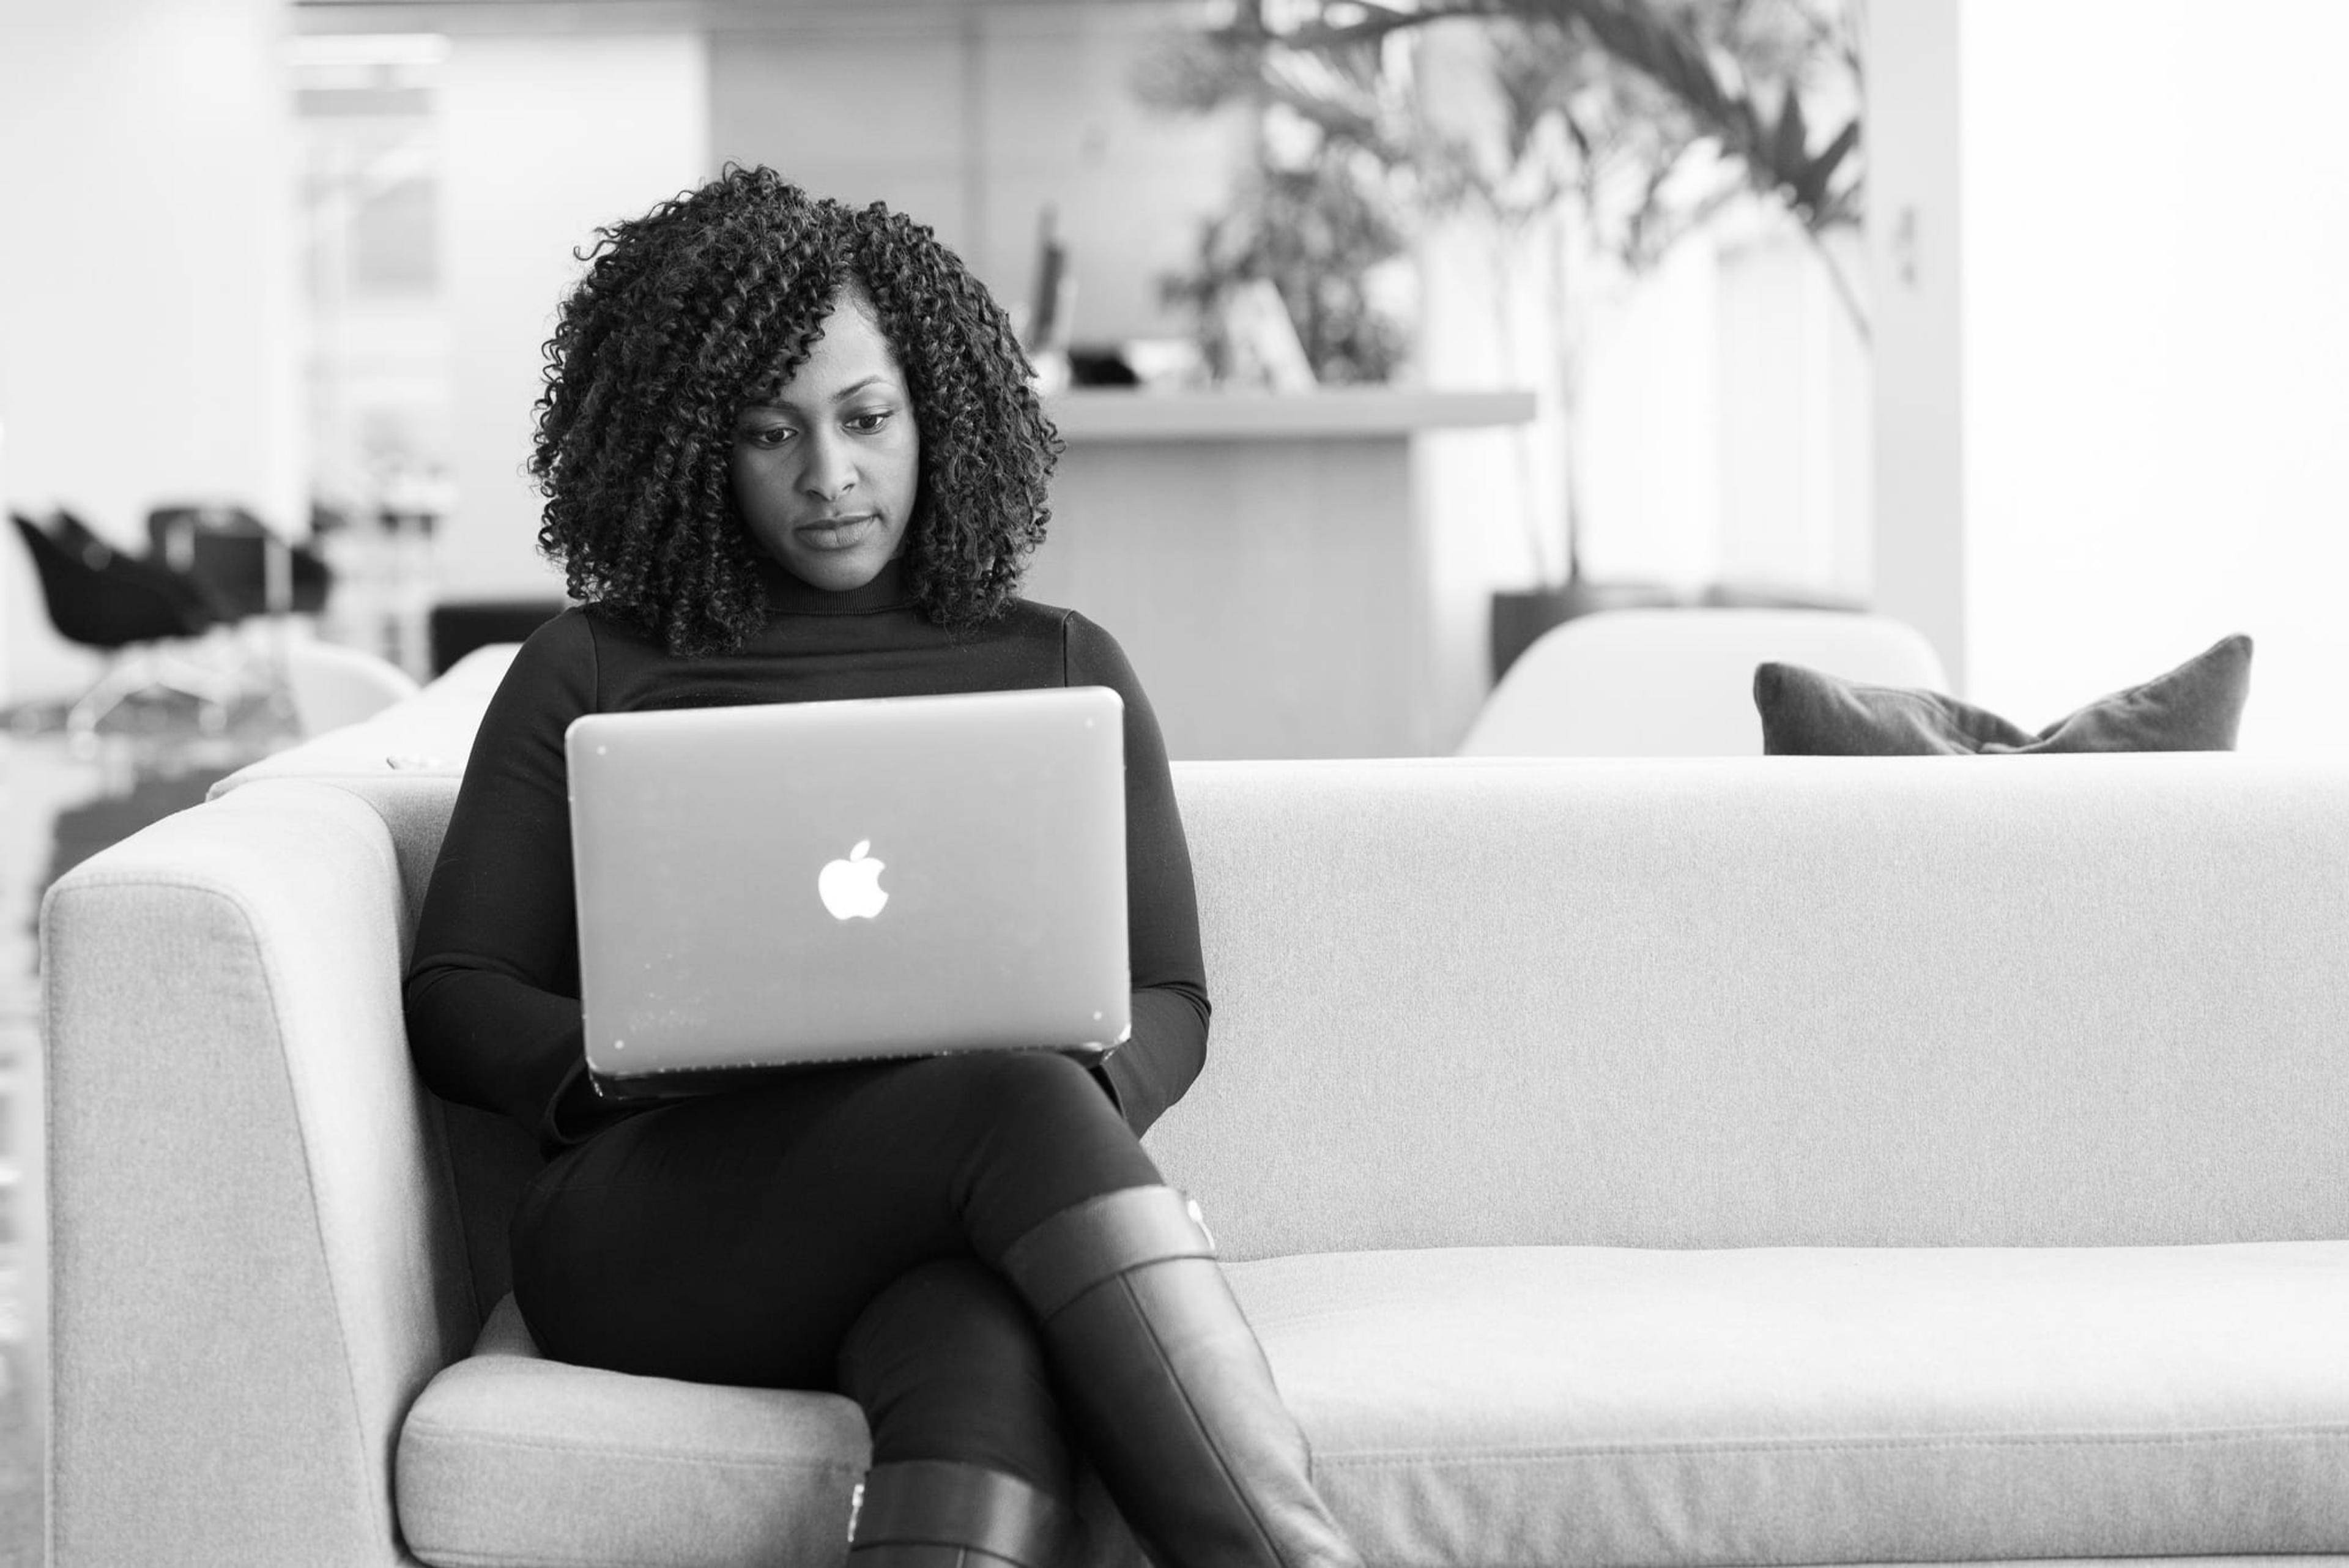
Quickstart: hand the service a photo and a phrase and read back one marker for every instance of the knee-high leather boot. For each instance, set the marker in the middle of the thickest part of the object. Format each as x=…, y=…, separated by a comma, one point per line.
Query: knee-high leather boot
x=937, y=1514
x=1168, y=1388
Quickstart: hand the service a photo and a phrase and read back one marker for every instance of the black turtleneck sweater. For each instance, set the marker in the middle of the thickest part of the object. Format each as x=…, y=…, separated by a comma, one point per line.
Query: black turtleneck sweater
x=494, y=986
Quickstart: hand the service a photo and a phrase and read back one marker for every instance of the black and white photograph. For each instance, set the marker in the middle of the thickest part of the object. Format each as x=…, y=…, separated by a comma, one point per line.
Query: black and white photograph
x=1173, y=783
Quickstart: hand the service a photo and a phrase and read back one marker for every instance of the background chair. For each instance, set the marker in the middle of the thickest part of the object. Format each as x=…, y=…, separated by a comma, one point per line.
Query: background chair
x=334, y=686
x=457, y=627
x=1679, y=682
x=128, y=608
x=198, y=600
x=233, y=554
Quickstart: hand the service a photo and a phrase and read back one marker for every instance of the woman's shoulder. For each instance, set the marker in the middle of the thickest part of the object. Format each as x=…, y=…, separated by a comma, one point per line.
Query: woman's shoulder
x=1089, y=655
x=554, y=669
x=1037, y=617
x=586, y=638
x=1030, y=616
x=1084, y=640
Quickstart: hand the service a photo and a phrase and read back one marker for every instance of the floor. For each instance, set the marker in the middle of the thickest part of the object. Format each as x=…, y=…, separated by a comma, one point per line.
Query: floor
x=60, y=803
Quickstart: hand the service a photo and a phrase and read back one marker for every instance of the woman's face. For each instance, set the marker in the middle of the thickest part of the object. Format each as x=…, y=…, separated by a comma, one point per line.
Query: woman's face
x=827, y=471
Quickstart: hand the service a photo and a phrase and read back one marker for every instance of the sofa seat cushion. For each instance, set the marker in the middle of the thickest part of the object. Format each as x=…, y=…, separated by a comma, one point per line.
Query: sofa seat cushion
x=509, y=1458
x=1476, y=1408
x=1818, y=1405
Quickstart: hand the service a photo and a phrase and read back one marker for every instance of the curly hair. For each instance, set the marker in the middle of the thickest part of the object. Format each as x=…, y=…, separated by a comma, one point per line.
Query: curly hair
x=714, y=298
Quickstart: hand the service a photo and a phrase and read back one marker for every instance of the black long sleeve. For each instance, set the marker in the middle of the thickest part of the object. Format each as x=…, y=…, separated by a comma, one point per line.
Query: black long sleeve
x=492, y=989
x=1162, y=1056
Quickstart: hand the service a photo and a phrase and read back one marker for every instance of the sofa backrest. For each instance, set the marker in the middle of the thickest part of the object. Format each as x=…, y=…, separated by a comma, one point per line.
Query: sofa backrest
x=1747, y=1001
x=1771, y=1001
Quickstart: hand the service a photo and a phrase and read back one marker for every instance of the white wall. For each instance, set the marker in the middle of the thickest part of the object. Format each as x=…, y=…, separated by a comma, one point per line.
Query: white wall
x=972, y=125
x=1722, y=416
x=2156, y=230
x=1724, y=428
x=1649, y=424
x=147, y=301
x=1793, y=384
x=543, y=138
x=1917, y=536
x=1479, y=491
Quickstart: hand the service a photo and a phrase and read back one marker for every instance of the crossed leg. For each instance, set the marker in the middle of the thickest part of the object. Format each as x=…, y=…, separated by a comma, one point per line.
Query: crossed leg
x=970, y=1456
x=737, y=1238
x=746, y=1237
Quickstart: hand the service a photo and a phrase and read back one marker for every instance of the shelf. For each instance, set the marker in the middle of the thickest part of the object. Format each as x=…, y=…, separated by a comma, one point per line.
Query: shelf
x=1337, y=413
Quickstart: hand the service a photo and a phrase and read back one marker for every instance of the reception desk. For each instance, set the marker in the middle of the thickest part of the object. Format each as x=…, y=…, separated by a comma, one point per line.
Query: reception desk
x=1262, y=559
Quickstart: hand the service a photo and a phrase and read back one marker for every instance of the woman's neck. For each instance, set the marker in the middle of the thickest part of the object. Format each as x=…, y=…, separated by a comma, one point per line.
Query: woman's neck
x=790, y=594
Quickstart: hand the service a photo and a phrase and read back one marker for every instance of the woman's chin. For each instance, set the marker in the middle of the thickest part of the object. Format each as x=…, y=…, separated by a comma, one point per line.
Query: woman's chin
x=835, y=571
x=833, y=560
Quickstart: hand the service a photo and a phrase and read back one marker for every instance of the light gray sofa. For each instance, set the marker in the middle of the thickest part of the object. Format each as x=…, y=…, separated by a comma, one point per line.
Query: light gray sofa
x=1728, y=1161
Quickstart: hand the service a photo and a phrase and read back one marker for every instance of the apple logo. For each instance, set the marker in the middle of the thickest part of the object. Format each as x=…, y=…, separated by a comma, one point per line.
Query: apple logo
x=851, y=888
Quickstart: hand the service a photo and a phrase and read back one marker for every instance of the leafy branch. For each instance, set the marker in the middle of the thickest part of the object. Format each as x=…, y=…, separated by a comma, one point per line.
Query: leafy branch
x=1648, y=115
x=1598, y=129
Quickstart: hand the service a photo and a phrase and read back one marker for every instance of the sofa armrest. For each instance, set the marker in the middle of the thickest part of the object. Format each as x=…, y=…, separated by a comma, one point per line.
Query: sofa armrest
x=256, y=1263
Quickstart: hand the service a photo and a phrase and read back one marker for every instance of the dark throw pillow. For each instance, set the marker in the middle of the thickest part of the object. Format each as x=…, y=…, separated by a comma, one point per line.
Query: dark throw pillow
x=2194, y=708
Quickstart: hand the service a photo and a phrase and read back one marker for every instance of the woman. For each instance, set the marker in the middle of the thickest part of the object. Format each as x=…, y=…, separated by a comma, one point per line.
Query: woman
x=790, y=451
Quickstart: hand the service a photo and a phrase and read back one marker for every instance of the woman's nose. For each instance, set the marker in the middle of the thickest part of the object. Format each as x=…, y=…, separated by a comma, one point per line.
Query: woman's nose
x=831, y=470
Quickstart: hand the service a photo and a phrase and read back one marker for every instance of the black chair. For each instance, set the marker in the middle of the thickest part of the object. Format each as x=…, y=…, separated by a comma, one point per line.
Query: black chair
x=129, y=609
x=228, y=550
x=200, y=603
x=457, y=627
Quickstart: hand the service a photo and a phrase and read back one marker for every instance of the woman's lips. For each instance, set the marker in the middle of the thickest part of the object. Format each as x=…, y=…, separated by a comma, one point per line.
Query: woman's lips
x=836, y=532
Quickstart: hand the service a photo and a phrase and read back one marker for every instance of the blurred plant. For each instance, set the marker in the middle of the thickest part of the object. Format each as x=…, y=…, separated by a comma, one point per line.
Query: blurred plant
x=1607, y=130
x=1645, y=116
x=1319, y=234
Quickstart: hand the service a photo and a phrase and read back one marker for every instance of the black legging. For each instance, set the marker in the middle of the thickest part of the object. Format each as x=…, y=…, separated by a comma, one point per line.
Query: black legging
x=834, y=1230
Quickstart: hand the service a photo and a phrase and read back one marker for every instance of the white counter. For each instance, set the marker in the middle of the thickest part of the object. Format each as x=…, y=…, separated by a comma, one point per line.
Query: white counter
x=1262, y=561
x=1340, y=413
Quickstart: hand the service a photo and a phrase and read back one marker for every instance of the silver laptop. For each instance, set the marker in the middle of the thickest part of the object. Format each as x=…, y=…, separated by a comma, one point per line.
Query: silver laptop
x=801, y=882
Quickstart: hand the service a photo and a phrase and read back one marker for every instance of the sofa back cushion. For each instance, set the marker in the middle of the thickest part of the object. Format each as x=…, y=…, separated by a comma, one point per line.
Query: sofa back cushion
x=1769, y=1002
x=1739, y=1001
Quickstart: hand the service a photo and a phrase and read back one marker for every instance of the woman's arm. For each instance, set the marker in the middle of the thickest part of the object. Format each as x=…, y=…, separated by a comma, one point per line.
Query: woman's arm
x=492, y=993
x=1159, y=1060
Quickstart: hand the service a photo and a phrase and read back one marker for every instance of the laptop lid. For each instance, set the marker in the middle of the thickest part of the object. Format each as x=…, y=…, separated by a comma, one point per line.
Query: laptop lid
x=803, y=882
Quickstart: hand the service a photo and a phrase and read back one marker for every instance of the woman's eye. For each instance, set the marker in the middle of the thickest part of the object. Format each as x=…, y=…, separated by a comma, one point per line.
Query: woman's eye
x=767, y=435
x=868, y=423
